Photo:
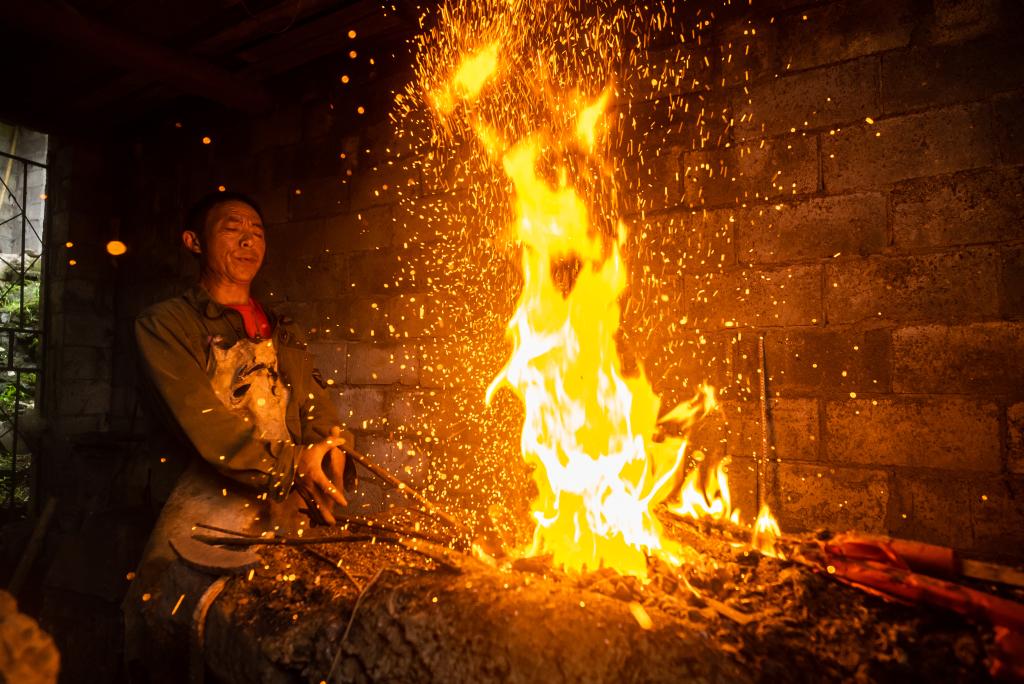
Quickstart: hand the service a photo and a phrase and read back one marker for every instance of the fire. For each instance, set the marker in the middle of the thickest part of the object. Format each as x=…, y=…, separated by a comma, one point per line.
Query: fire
x=592, y=434
x=586, y=426
x=473, y=73
x=766, y=533
x=476, y=70
x=710, y=499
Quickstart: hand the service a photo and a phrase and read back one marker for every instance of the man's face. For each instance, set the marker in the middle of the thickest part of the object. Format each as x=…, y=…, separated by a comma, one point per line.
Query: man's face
x=234, y=242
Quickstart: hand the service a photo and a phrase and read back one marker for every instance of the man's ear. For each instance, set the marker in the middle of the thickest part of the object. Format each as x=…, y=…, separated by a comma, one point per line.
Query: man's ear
x=191, y=241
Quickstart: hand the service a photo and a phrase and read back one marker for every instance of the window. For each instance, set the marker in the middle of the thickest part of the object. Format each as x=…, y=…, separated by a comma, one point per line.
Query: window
x=22, y=208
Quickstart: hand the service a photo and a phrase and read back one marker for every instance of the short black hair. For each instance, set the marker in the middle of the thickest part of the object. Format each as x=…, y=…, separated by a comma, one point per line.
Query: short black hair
x=200, y=211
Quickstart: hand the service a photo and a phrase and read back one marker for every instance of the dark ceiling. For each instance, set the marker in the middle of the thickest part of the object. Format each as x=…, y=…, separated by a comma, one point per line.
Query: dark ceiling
x=71, y=66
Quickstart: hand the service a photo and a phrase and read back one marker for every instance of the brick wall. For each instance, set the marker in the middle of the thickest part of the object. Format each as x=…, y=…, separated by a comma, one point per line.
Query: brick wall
x=879, y=259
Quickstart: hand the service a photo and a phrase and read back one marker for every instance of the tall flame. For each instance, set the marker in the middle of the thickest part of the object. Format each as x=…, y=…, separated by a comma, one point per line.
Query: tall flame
x=588, y=428
x=589, y=431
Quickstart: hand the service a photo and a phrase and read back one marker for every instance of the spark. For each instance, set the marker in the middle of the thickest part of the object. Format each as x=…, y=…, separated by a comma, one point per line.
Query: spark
x=452, y=222
x=178, y=604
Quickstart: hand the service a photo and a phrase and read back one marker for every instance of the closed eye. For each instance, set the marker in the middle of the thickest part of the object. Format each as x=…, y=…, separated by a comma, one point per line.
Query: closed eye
x=250, y=371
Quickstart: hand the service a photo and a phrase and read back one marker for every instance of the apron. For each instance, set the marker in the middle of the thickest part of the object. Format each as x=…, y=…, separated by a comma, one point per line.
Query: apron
x=174, y=571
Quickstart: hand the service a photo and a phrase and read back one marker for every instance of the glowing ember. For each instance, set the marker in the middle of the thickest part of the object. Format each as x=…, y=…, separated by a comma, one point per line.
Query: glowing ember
x=589, y=430
x=766, y=533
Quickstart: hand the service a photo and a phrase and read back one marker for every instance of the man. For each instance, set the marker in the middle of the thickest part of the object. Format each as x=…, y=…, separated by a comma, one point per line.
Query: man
x=236, y=383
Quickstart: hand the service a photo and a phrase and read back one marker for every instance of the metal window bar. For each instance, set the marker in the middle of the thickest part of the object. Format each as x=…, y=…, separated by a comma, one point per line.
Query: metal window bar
x=22, y=336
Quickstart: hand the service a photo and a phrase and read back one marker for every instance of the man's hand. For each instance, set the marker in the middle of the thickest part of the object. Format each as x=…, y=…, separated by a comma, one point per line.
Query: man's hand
x=319, y=474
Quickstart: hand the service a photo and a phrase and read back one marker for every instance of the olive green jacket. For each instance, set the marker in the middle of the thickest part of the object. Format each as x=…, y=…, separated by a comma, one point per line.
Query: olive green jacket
x=174, y=340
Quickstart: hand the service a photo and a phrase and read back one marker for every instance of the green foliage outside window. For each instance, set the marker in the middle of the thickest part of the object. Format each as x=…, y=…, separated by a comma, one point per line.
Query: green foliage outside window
x=17, y=390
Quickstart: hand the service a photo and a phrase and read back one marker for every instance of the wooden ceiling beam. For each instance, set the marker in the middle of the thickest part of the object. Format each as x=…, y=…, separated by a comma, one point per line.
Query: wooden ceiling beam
x=56, y=22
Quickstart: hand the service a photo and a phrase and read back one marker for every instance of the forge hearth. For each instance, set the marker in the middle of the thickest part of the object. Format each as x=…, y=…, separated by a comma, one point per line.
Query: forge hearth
x=440, y=615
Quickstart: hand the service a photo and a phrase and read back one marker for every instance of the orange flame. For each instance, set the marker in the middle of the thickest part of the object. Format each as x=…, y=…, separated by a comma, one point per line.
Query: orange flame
x=587, y=427
x=710, y=499
x=766, y=534
x=588, y=430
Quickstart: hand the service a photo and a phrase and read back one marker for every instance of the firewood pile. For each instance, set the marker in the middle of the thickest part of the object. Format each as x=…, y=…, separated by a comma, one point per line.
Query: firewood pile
x=384, y=601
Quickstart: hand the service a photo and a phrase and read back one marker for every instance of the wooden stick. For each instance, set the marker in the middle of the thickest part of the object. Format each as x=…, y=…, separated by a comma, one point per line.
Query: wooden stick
x=405, y=489
x=726, y=528
x=359, y=601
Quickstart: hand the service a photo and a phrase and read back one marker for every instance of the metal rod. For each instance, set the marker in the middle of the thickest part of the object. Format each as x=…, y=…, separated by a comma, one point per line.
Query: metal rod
x=41, y=326
x=21, y=260
x=336, y=565
x=14, y=442
x=17, y=329
x=60, y=23
x=351, y=619
x=23, y=160
x=762, y=464
x=215, y=540
x=405, y=489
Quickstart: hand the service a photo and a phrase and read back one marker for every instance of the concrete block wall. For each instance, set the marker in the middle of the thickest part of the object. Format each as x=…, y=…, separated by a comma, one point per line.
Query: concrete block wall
x=846, y=181
x=865, y=211
x=79, y=291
